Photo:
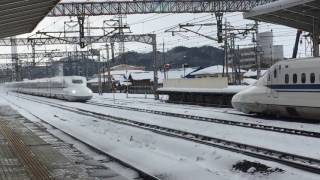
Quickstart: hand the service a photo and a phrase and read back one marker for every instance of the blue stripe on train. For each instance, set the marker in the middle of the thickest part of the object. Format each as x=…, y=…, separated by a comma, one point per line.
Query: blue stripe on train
x=297, y=91
x=295, y=86
x=310, y=88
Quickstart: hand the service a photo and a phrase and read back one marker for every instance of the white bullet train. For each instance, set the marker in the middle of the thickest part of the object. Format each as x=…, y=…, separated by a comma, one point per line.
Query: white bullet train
x=71, y=88
x=290, y=88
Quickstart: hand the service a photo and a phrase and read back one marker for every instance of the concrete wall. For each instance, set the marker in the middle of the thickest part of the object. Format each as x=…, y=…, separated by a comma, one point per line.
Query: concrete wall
x=217, y=82
x=277, y=52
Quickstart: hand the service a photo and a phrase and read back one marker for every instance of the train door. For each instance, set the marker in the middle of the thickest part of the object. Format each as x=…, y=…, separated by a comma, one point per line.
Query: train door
x=276, y=81
x=269, y=83
x=272, y=81
x=49, y=87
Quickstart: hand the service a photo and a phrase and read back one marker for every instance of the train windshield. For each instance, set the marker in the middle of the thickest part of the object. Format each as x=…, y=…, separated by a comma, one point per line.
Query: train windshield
x=77, y=81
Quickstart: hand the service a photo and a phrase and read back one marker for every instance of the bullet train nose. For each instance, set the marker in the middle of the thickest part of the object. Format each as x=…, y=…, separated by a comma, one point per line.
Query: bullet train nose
x=236, y=103
x=239, y=101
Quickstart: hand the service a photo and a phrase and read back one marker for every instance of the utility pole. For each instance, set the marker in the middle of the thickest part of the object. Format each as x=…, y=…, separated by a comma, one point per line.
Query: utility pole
x=232, y=52
x=238, y=69
x=33, y=45
x=225, y=63
x=155, y=68
x=15, y=59
x=219, y=17
x=81, y=31
x=258, y=51
x=315, y=38
x=112, y=52
x=164, y=61
x=108, y=68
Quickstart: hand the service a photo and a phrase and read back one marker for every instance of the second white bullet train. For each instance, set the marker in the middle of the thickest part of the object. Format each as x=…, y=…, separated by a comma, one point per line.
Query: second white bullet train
x=71, y=88
x=290, y=88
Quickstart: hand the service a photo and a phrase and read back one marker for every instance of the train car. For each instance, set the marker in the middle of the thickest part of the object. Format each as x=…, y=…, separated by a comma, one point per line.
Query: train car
x=71, y=88
x=290, y=88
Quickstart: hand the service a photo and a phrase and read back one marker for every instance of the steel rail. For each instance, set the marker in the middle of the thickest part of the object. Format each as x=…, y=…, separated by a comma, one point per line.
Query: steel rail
x=289, y=159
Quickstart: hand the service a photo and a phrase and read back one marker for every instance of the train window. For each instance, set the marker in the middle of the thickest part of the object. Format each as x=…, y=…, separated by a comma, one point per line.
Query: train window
x=286, y=78
x=279, y=69
x=275, y=73
x=295, y=78
x=312, y=78
x=77, y=81
x=303, y=78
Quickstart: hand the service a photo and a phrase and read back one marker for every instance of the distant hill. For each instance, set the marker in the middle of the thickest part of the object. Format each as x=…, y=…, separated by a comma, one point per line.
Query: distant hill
x=194, y=56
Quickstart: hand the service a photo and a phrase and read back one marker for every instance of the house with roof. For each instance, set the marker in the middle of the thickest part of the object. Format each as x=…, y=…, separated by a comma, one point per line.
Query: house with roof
x=142, y=82
x=217, y=71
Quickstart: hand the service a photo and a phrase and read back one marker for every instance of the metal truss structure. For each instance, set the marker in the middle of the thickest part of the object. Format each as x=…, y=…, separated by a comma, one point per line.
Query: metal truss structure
x=156, y=6
x=50, y=54
x=50, y=40
x=142, y=38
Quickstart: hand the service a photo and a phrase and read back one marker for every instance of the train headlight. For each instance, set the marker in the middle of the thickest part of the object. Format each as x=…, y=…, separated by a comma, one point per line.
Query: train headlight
x=73, y=91
x=90, y=91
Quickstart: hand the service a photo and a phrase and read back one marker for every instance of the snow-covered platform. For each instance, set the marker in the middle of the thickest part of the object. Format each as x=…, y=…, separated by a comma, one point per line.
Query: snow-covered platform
x=28, y=151
x=202, y=96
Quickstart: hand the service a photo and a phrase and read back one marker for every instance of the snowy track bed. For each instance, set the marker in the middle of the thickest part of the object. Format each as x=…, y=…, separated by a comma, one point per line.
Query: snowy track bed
x=214, y=120
x=286, y=158
x=283, y=142
x=138, y=101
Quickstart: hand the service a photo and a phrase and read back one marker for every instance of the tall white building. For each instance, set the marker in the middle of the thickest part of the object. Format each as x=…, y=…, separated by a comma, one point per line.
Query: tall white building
x=269, y=53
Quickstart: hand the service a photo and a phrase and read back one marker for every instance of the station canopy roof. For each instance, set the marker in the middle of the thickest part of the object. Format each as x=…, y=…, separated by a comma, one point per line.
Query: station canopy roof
x=22, y=16
x=299, y=14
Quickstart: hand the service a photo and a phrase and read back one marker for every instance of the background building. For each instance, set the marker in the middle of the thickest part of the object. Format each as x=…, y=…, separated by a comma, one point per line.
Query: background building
x=270, y=53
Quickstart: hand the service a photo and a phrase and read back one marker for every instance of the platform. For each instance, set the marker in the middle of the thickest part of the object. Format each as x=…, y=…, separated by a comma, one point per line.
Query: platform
x=21, y=16
x=299, y=14
x=220, y=97
x=29, y=151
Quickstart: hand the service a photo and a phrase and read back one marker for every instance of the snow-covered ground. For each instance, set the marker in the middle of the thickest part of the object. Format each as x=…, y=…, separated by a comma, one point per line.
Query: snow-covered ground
x=167, y=157
x=140, y=101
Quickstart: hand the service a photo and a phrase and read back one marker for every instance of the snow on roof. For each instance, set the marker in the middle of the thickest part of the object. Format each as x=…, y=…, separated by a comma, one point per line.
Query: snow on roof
x=252, y=73
x=249, y=81
x=123, y=72
x=142, y=75
x=94, y=80
x=180, y=72
x=137, y=75
x=126, y=67
x=117, y=78
x=171, y=74
x=217, y=69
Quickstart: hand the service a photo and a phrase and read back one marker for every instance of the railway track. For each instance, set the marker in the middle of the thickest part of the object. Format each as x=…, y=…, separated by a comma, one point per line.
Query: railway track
x=215, y=120
x=188, y=106
x=172, y=103
x=296, y=161
x=142, y=175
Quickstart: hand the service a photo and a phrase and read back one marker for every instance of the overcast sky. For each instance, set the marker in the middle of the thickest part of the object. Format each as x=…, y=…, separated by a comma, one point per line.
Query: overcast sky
x=158, y=23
